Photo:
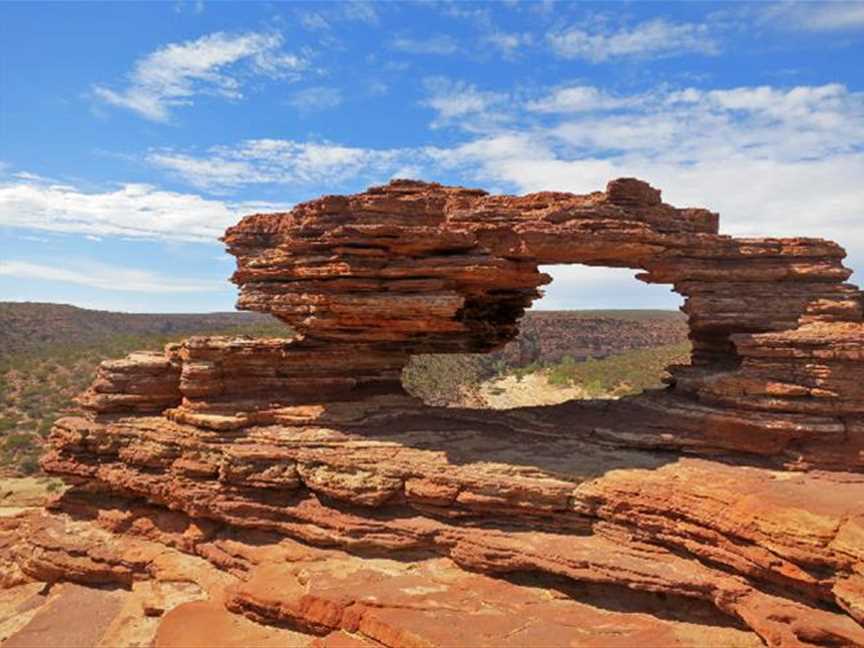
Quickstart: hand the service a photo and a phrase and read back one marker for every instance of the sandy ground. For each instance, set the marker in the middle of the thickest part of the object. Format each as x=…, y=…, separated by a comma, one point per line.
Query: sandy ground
x=22, y=492
x=533, y=389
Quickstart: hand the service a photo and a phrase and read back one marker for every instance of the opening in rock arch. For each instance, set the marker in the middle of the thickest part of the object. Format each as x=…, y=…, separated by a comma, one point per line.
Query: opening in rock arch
x=596, y=333
x=581, y=287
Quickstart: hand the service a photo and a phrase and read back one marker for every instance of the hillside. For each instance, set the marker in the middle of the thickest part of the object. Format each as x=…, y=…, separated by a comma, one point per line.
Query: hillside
x=551, y=336
x=49, y=353
x=30, y=326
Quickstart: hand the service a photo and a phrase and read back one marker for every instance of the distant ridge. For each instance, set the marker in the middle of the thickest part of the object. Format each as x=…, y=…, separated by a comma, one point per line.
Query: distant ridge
x=29, y=326
x=613, y=313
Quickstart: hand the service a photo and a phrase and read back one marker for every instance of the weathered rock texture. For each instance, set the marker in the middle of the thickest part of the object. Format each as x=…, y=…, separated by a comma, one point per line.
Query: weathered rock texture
x=732, y=502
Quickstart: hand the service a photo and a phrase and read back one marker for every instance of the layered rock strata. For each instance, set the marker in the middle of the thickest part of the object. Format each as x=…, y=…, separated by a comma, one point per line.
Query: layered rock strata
x=738, y=489
x=370, y=279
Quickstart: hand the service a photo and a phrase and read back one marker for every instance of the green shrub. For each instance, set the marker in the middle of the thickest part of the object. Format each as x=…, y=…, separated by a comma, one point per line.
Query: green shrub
x=29, y=465
x=440, y=378
x=560, y=377
x=521, y=372
x=18, y=442
x=45, y=425
x=627, y=373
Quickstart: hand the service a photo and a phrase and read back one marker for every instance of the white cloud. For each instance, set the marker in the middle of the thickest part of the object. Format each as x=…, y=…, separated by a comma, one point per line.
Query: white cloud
x=316, y=98
x=314, y=21
x=133, y=210
x=806, y=122
x=215, y=64
x=286, y=162
x=326, y=14
x=440, y=45
x=509, y=43
x=359, y=10
x=452, y=99
x=196, y=7
x=493, y=153
x=654, y=38
x=817, y=16
x=577, y=98
x=24, y=175
x=377, y=88
x=108, y=277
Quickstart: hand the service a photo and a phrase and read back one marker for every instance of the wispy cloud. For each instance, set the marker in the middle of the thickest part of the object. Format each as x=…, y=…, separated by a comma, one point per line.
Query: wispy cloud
x=508, y=43
x=457, y=99
x=489, y=35
x=360, y=10
x=314, y=21
x=283, y=162
x=215, y=64
x=651, y=39
x=132, y=210
x=816, y=16
x=578, y=98
x=315, y=99
x=326, y=14
x=441, y=45
x=196, y=7
x=108, y=277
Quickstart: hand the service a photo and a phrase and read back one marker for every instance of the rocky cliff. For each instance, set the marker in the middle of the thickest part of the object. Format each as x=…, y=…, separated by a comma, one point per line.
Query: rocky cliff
x=727, y=509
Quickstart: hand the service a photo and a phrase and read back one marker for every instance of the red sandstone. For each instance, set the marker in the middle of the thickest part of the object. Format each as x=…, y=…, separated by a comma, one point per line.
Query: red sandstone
x=733, y=499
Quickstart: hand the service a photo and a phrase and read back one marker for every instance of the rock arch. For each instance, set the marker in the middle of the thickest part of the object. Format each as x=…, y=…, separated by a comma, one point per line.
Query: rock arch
x=368, y=280
x=312, y=436
x=413, y=267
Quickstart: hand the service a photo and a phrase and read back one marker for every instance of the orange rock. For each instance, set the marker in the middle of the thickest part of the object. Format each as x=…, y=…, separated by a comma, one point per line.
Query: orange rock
x=313, y=438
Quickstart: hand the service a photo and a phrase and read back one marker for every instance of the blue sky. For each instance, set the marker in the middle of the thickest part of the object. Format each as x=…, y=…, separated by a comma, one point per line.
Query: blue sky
x=132, y=134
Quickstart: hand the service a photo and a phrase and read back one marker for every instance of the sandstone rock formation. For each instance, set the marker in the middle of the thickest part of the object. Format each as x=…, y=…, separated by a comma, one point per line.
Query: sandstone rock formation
x=727, y=509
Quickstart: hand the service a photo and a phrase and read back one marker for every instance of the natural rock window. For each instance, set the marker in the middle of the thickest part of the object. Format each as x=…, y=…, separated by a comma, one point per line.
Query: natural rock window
x=589, y=351
x=738, y=487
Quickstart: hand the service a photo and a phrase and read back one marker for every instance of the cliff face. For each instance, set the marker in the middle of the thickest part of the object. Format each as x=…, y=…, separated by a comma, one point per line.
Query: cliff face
x=738, y=491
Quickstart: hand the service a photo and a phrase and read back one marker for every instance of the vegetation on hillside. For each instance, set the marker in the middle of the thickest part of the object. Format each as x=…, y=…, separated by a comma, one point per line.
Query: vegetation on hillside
x=624, y=374
x=443, y=380
x=37, y=384
x=30, y=326
x=451, y=379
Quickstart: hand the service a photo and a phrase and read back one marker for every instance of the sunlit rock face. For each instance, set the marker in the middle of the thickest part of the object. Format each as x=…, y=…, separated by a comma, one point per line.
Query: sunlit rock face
x=737, y=491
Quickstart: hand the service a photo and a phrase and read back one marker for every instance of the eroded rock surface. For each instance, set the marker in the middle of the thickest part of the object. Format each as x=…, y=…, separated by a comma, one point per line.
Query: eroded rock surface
x=725, y=510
